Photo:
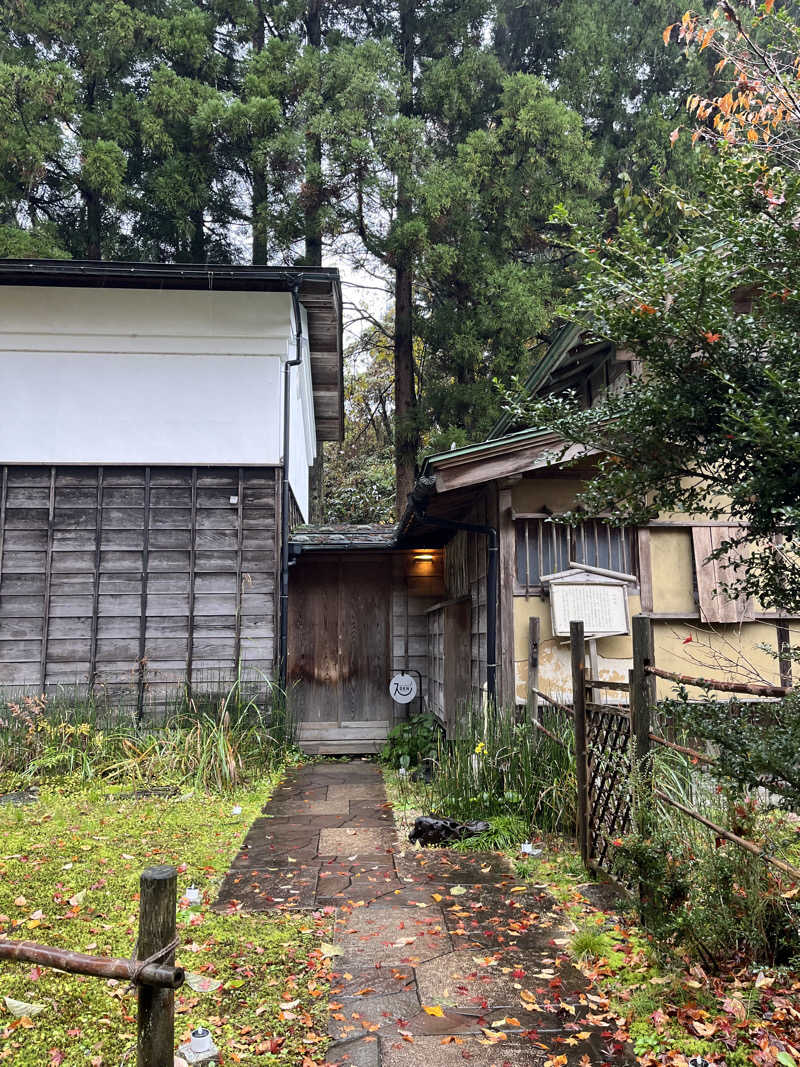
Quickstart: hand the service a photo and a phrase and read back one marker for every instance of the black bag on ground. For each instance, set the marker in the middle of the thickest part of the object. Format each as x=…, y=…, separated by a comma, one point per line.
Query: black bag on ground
x=436, y=830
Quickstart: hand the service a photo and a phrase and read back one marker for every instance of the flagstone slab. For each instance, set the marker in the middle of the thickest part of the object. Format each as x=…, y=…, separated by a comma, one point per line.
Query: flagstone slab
x=430, y=1052
x=357, y=882
x=442, y=866
x=358, y=790
x=316, y=822
x=424, y=1024
x=463, y=979
x=300, y=808
x=376, y=936
x=361, y=816
x=377, y=1013
x=360, y=841
x=265, y=856
x=352, y=975
x=269, y=890
x=361, y=1052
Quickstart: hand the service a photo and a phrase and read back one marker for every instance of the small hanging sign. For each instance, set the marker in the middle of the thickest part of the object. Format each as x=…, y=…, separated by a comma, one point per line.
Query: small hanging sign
x=403, y=688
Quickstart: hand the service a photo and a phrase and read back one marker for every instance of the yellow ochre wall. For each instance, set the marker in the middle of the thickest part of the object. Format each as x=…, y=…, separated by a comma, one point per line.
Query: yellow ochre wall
x=713, y=650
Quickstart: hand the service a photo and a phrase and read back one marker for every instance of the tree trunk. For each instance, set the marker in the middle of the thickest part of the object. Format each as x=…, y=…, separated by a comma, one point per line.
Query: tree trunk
x=197, y=245
x=313, y=180
x=94, y=214
x=258, y=182
x=406, y=432
x=92, y=203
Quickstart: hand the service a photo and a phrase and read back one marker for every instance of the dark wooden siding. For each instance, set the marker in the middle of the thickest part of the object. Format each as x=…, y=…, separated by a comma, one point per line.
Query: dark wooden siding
x=106, y=569
x=466, y=560
x=416, y=586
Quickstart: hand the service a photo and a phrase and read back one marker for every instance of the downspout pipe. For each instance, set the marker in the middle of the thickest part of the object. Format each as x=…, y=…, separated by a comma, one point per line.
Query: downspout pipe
x=283, y=603
x=490, y=533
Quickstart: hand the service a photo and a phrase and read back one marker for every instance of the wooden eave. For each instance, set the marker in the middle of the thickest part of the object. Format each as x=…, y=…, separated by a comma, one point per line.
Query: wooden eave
x=496, y=462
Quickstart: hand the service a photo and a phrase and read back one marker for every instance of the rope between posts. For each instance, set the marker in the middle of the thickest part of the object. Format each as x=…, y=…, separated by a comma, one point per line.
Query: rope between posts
x=136, y=966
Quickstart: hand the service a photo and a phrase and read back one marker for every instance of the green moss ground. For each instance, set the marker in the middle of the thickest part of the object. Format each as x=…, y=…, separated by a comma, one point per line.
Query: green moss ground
x=69, y=873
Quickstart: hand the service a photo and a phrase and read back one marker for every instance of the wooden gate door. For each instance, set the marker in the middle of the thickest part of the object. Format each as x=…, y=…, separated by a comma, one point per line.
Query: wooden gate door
x=339, y=656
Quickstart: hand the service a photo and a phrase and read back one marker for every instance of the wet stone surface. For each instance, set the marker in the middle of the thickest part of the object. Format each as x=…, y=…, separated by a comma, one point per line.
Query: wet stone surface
x=429, y=929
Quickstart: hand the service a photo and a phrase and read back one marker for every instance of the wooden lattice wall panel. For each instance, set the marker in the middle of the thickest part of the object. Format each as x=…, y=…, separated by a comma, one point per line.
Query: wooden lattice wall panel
x=102, y=568
x=465, y=572
x=608, y=760
x=436, y=662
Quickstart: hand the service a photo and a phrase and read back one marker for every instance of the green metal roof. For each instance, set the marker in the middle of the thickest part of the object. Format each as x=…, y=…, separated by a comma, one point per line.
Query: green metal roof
x=563, y=341
x=489, y=445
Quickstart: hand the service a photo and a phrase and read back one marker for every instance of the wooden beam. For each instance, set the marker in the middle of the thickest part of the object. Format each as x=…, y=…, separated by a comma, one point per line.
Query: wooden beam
x=534, y=630
x=578, y=651
x=784, y=643
x=143, y=598
x=645, y=570
x=237, y=644
x=506, y=597
x=98, y=538
x=3, y=500
x=158, y=891
x=491, y=468
x=192, y=569
x=48, y=572
x=643, y=687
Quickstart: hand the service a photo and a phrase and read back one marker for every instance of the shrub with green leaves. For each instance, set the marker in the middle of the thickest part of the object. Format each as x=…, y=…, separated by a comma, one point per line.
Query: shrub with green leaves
x=501, y=767
x=411, y=741
x=700, y=893
x=757, y=744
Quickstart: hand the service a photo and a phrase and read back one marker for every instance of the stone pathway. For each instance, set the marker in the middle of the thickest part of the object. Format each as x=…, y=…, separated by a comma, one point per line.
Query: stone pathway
x=432, y=929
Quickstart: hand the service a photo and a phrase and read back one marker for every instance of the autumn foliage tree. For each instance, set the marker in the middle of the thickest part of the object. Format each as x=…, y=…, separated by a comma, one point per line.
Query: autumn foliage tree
x=759, y=57
x=712, y=425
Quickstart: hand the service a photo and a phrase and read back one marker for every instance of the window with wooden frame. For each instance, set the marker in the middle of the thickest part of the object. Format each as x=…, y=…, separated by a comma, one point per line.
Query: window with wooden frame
x=547, y=547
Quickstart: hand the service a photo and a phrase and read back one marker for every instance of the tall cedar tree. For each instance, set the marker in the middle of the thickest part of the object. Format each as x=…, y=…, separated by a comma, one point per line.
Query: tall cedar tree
x=102, y=151
x=607, y=61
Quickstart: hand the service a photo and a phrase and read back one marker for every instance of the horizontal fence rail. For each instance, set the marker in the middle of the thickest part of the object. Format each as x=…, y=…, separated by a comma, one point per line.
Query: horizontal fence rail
x=742, y=842
x=751, y=688
x=151, y=968
x=62, y=959
x=684, y=750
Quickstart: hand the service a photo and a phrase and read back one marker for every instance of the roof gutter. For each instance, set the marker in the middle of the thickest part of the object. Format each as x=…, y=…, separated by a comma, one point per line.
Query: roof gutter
x=283, y=603
x=178, y=275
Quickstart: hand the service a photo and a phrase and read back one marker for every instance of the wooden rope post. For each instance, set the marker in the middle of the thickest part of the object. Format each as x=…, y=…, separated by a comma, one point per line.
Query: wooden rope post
x=643, y=692
x=158, y=895
x=578, y=649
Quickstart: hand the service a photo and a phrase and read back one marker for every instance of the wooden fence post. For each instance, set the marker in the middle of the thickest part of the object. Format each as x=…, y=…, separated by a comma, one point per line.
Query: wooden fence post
x=643, y=691
x=158, y=893
x=534, y=628
x=578, y=649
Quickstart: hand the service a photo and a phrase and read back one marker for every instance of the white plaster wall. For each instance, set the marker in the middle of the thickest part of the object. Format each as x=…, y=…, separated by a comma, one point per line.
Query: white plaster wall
x=139, y=409
x=302, y=431
x=49, y=319
x=149, y=376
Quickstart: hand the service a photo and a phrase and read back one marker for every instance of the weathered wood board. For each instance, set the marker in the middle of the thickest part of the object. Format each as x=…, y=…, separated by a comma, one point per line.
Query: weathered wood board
x=355, y=619
x=105, y=570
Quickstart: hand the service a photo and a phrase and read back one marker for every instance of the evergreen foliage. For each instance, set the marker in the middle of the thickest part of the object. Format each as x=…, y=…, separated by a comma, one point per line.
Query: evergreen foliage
x=425, y=139
x=712, y=427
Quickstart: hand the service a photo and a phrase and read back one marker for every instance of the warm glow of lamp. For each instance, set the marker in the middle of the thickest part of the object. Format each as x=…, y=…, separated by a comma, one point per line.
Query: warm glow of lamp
x=424, y=556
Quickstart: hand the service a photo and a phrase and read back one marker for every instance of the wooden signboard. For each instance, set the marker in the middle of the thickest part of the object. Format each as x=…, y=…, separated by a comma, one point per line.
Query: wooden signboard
x=602, y=607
